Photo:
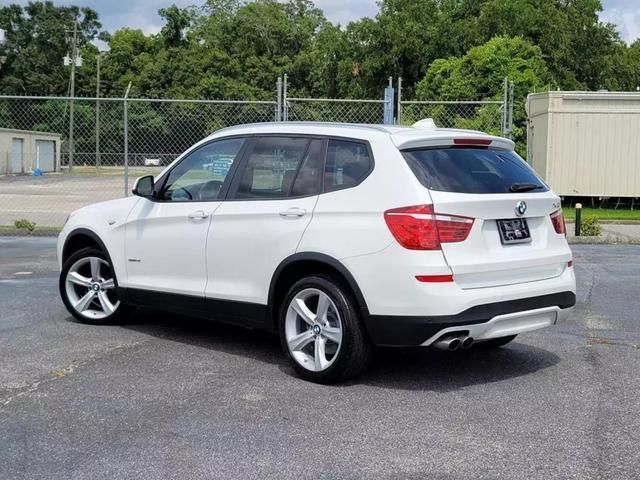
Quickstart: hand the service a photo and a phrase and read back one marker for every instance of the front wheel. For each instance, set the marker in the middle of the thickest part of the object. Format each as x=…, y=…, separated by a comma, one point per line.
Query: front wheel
x=321, y=330
x=88, y=288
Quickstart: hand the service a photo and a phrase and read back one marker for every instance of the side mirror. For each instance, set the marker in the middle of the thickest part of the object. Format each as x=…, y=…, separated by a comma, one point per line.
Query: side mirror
x=144, y=187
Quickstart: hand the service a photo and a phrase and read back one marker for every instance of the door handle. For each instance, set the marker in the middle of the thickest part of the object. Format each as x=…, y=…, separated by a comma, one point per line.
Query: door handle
x=293, y=212
x=198, y=215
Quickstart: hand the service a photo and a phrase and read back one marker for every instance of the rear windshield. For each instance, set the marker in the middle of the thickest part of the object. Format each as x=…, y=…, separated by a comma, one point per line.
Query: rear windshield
x=473, y=170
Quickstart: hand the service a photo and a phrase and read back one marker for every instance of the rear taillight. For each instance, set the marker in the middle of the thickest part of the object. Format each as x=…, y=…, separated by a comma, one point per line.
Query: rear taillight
x=558, y=222
x=419, y=228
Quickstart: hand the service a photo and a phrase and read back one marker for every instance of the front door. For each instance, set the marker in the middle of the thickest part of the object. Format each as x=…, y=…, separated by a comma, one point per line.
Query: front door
x=166, y=237
x=269, y=205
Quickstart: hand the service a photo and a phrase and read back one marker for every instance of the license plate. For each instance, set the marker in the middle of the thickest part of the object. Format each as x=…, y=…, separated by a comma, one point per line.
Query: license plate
x=514, y=230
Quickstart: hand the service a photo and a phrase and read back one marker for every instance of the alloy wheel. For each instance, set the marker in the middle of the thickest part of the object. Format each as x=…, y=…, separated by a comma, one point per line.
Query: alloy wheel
x=90, y=288
x=313, y=329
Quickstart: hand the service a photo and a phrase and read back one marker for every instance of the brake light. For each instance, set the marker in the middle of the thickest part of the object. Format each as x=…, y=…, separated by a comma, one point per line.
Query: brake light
x=419, y=228
x=472, y=141
x=558, y=222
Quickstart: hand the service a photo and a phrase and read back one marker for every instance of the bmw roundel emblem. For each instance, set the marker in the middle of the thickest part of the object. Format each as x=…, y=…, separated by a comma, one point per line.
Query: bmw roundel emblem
x=521, y=208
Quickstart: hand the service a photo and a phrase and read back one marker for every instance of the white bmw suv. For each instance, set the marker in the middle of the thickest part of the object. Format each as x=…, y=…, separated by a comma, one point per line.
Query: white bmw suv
x=339, y=237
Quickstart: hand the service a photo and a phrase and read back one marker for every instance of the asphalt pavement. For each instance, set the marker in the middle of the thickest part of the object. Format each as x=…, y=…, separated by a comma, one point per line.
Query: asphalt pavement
x=165, y=396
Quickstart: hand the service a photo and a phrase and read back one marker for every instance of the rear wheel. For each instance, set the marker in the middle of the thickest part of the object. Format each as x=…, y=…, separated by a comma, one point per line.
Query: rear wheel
x=88, y=288
x=321, y=330
x=494, y=342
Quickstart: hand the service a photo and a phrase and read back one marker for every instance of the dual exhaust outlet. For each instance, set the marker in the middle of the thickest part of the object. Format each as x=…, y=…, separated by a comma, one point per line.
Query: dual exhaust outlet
x=454, y=342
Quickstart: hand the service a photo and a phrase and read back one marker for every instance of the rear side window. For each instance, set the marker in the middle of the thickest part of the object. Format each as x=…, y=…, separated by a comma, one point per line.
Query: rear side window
x=473, y=170
x=348, y=163
x=271, y=168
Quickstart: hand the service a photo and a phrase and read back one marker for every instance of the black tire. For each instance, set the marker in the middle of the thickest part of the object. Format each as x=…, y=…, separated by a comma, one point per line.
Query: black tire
x=355, y=351
x=120, y=312
x=494, y=343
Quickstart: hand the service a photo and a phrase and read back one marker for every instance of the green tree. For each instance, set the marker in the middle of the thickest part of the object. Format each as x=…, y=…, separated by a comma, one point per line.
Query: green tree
x=623, y=69
x=575, y=44
x=36, y=38
x=479, y=75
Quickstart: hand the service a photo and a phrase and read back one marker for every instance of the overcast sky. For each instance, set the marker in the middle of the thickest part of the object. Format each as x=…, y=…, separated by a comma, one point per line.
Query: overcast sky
x=144, y=13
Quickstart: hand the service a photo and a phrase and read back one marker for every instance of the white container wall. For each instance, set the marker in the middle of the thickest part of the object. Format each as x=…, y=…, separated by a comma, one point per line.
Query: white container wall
x=586, y=143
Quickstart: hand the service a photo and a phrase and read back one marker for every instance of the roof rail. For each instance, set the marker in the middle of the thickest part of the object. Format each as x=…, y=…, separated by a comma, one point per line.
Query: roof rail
x=364, y=126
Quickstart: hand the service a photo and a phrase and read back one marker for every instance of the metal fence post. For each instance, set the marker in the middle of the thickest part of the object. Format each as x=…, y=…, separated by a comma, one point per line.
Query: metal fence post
x=285, y=102
x=387, y=114
x=505, y=106
x=98, y=59
x=71, y=145
x=510, y=112
x=279, y=100
x=399, y=107
x=126, y=143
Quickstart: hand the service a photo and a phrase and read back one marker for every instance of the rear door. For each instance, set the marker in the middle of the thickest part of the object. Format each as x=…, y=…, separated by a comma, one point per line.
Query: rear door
x=513, y=238
x=269, y=205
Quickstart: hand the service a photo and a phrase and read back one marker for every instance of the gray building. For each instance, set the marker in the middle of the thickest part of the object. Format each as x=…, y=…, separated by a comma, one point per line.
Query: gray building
x=22, y=151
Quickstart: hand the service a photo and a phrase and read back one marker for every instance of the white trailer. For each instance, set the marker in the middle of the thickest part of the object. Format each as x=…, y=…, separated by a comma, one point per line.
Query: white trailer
x=586, y=143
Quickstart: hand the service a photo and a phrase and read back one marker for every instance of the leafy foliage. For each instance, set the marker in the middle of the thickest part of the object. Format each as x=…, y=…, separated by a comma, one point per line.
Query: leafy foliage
x=24, y=224
x=479, y=75
x=590, y=226
x=455, y=49
x=36, y=38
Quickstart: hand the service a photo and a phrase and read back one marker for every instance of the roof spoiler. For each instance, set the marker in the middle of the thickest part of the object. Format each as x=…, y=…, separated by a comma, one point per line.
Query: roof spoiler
x=426, y=123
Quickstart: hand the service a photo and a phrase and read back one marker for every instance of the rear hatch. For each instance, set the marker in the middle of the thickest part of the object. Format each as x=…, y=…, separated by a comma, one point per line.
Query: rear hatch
x=517, y=233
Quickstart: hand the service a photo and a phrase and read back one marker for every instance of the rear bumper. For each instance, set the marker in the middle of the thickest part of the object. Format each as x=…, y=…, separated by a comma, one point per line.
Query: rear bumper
x=482, y=322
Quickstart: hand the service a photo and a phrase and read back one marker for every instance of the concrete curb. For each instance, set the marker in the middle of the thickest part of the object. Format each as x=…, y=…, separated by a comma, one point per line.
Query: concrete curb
x=607, y=240
x=609, y=222
x=44, y=232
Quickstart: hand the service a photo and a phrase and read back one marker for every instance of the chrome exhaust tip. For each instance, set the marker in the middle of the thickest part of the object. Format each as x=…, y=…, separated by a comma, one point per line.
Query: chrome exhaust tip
x=466, y=343
x=448, y=343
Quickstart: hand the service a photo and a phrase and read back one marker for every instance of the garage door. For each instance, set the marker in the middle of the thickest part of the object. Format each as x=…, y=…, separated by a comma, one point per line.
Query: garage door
x=16, y=155
x=46, y=155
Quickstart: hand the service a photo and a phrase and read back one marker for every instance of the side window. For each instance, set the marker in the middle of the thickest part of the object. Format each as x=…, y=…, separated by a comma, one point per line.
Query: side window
x=280, y=167
x=309, y=177
x=348, y=163
x=199, y=176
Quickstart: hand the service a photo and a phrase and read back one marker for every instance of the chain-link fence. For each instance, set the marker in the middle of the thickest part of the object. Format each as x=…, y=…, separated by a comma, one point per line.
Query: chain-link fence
x=487, y=116
x=491, y=116
x=334, y=110
x=58, y=154
x=72, y=160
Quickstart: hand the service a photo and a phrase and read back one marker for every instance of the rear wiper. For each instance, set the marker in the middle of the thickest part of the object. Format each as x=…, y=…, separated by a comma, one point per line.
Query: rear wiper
x=523, y=187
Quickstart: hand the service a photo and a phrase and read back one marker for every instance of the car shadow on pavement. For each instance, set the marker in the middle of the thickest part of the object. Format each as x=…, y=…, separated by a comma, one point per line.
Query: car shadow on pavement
x=427, y=369
x=394, y=368
x=251, y=343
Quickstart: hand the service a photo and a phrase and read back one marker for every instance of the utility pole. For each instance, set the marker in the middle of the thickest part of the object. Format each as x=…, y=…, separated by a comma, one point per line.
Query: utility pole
x=74, y=55
x=98, y=59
